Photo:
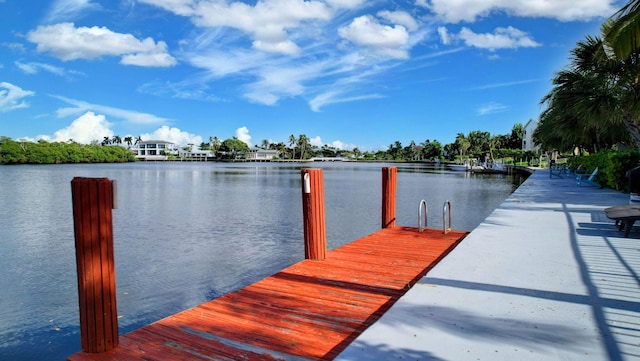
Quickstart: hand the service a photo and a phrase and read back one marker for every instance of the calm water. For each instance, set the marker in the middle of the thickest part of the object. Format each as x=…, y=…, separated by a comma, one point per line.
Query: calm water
x=189, y=232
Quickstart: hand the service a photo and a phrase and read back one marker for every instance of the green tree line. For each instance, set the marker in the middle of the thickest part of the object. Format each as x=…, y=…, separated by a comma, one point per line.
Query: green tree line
x=475, y=144
x=43, y=152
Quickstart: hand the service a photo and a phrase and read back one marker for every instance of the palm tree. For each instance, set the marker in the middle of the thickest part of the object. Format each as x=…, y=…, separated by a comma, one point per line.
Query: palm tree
x=356, y=152
x=138, y=139
x=303, y=143
x=622, y=30
x=216, y=145
x=292, y=143
x=129, y=140
x=106, y=141
x=116, y=140
x=462, y=144
x=595, y=102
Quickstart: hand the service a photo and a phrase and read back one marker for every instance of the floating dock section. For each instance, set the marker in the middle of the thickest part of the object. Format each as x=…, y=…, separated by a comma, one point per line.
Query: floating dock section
x=312, y=310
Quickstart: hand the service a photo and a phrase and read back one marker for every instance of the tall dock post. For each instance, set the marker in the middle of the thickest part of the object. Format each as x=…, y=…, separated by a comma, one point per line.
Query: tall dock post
x=315, y=235
x=93, y=199
x=389, y=175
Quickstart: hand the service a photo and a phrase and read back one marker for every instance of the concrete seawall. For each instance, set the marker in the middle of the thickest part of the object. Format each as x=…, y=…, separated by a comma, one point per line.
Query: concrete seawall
x=545, y=277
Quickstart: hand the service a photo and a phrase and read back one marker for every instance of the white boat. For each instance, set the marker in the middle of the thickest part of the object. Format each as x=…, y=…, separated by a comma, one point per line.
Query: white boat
x=459, y=167
x=464, y=167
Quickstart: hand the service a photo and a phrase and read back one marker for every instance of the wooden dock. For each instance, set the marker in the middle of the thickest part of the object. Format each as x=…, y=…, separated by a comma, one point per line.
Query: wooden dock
x=310, y=311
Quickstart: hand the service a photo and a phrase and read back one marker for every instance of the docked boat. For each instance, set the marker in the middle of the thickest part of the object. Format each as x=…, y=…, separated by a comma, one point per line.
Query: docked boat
x=459, y=167
x=464, y=167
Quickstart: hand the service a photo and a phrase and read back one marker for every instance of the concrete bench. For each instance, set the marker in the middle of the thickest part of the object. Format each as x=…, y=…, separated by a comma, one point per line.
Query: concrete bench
x=625, y=216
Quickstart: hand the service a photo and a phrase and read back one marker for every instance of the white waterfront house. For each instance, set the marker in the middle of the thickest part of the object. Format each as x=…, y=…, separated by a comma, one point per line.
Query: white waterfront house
x=195, y=154
x=262, y=154
x=154, y=149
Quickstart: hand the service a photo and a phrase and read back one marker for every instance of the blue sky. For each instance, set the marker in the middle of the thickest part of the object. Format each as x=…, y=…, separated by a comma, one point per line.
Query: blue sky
x=347, y=73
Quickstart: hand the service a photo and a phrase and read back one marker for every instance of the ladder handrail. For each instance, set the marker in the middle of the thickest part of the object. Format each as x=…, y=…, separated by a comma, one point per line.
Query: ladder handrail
x=446, y=208
x=420, y=207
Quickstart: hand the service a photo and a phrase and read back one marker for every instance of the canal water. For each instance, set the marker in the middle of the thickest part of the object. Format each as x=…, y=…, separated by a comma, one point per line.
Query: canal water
x=186, y=233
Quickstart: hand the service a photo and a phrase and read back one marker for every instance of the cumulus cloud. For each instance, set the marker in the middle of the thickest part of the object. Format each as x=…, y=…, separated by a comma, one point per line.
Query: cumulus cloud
x=173, y=135
x=267, y=22
x=67, y=42
x=12, y=97
x=563, y=10
x=337, y=144
x=401, y=18
x=85, y=129
x=243, y=135
x=382, y=39
x=316, y=141
x=501, y=38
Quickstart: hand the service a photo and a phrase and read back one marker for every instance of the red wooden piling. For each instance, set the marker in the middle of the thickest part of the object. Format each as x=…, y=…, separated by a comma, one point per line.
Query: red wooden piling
x=389, y=196
x=315, y=235
x=92, y=204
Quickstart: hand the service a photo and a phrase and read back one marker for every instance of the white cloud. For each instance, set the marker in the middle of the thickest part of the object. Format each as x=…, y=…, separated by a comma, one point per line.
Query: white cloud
x=563, y=10
x=173, y=135
x=267, y=22
x=80, y=106
x=505, y=84
x=341, y=145
x=11, y=97
x=401, y=18
x=335, y=97
x=317, y=142
x=280, y=49
x=444, y=35
x=491, y=108
x=62, y=10
x=345, y=4
x=381, y=39
x=501, y=38
x=32, y=68
x=284, y=81
x=67, y=42
x=180, y=90
x=243, y=135
x=85, y=129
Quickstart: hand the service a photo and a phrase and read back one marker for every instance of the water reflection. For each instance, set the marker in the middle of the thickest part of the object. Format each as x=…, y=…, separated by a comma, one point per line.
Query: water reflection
x=189, y=232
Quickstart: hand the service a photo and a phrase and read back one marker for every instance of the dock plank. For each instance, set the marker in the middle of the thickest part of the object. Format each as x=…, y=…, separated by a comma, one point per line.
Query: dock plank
x=311, y=310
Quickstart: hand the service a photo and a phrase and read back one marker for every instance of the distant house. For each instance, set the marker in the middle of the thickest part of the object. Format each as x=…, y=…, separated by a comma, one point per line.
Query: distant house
x=154, y=149
x=262, y=154
x=198, y=154
x=527, y=137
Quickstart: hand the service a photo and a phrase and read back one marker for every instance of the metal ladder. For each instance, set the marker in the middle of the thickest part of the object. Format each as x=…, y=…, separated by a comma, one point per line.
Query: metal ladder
x=446, y=216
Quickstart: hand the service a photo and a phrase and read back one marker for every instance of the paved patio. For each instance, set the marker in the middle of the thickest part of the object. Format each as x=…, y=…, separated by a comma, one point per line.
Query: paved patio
x=545, y=277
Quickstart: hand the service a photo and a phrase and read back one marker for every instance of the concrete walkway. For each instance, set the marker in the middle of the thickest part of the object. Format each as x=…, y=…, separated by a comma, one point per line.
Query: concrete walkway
x=545, y=277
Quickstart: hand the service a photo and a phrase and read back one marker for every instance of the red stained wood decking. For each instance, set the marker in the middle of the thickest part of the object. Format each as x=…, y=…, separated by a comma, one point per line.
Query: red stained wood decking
x=311, y=310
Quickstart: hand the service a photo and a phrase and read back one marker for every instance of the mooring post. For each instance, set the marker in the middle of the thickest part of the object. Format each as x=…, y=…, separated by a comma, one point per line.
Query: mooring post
x=389, y=196
x=315, y=235
x=93, y=199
